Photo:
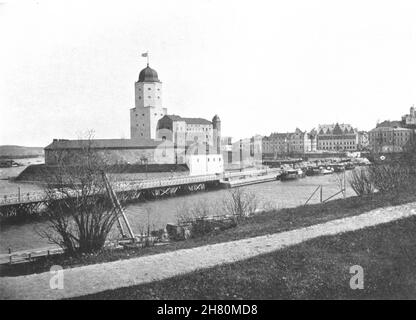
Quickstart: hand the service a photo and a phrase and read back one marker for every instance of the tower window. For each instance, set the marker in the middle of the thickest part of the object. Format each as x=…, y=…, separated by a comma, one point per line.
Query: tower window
x=149, y=88
x=140, y=97
x=149, y=97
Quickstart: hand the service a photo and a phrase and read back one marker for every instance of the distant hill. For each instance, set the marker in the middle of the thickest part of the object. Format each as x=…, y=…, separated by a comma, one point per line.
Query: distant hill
x=9, y=151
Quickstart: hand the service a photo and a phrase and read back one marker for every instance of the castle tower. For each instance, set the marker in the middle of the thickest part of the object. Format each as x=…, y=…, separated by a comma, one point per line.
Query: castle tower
x=148, y=105
x=216, y=126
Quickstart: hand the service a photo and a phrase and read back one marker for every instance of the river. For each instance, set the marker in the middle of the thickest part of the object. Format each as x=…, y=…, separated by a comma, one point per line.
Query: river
x=158, y=213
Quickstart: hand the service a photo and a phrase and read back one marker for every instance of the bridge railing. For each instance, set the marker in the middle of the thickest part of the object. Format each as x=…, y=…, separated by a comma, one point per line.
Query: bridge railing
x=22, y=198
x=38, y=196
x=118, y=187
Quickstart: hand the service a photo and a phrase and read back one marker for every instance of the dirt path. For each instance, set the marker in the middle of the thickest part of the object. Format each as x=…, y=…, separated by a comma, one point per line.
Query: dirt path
x=96, y=278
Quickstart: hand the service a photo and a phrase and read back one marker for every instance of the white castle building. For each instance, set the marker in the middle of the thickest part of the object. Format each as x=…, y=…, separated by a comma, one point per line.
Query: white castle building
x=155, y=135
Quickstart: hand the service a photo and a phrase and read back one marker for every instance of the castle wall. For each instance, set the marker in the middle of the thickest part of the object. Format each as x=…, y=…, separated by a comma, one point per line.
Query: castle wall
x=114, y=156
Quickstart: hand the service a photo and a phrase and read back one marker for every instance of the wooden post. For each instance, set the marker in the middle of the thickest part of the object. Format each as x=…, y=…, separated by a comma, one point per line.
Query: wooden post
x=345, y=185
x=10, y=256
x=321, y=194
x=117, y=205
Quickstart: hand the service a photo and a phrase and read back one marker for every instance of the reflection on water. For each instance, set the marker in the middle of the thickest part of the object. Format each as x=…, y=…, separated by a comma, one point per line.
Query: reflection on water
x=159, y=212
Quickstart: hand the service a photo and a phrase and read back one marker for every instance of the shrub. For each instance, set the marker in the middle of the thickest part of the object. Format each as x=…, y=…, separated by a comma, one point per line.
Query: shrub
x=360, y=181
x=240, y=203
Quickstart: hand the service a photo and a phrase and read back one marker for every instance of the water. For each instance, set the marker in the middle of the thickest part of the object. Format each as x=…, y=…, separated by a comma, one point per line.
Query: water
x=160, y=212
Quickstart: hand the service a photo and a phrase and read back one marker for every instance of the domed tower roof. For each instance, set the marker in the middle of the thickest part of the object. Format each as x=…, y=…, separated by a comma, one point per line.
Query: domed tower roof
x=216, y=118
x=148, y=75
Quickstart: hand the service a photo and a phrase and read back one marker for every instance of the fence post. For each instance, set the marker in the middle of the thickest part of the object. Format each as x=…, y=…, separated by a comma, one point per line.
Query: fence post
x=321, y=194
x=10, y=256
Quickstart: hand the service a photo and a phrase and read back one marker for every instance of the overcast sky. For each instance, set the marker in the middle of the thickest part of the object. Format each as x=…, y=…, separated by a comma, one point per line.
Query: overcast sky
x=262, y=66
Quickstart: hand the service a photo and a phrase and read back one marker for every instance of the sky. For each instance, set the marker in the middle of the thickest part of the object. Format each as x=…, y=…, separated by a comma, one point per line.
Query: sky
x=67, y=67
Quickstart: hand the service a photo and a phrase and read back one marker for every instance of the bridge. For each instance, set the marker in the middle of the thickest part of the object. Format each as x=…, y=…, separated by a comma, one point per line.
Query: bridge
x=128, y=191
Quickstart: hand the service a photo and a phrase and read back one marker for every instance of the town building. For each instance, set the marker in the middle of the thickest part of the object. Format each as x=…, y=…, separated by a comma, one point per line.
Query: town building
x=226, y=145
x=275, y=144
x=337, y=137
x=393, y=136
x=363, y=141
x=390, y=136
x=298, y=142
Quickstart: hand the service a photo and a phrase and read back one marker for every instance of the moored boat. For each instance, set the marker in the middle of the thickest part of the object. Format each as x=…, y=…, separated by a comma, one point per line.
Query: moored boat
x=313, y=171
x=290, y=174
x=349, y=166
x=338, y=168
x=327, y=170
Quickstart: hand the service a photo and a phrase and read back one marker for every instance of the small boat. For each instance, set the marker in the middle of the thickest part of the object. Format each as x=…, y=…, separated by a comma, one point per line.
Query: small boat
x=313, y=171
x=349, y=166
x=327, y=170
x=338, y=168
x=301, y=173
x=290, y=174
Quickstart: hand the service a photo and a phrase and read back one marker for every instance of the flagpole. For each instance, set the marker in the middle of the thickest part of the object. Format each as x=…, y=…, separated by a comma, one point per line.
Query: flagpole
x=147, y=56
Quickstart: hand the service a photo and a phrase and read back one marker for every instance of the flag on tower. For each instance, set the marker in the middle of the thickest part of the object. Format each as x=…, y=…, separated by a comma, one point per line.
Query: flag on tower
x=144, y=54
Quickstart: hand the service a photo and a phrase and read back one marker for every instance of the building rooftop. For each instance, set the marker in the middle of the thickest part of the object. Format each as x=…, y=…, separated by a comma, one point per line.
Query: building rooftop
x=148, y=75
x=174, y=117
x=389, y=124
x=102, y=144
x=337, y=129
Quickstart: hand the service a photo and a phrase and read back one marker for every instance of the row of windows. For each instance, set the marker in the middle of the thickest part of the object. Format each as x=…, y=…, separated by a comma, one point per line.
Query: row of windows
x=140, y=89
x=140, y=97
x=143, y=114
x=396, y=134
x=219, y=160
x=337, y=143
x=333, y=148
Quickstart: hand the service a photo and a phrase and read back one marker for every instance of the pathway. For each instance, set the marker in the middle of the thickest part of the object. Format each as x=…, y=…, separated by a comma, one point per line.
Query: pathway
x=111, y=275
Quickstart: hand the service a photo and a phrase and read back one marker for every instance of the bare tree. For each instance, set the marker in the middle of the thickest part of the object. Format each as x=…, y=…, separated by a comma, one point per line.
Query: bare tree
x=80, y=214
x=361, y=181
x=240, y=203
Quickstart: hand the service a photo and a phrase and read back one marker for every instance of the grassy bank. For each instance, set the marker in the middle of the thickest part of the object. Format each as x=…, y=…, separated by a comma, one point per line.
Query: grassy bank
x=266, y=223
x=317, y=269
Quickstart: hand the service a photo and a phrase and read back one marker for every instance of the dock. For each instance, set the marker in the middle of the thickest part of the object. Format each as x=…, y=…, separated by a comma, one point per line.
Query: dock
x=249, y=180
